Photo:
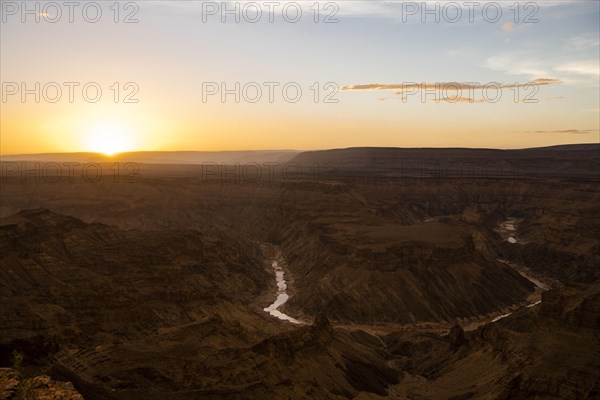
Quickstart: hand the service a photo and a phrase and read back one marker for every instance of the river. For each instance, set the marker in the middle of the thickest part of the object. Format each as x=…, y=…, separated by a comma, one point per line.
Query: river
x=509, y=231
x=282, y=296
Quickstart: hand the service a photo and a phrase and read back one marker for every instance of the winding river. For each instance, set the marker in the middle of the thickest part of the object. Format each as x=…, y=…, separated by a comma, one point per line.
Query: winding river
x=282, y=295
x=509, y=231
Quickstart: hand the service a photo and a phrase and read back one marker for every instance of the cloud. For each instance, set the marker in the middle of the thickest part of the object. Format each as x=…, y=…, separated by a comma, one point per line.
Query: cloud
x=516, y=65
x=386, y=9
x=581, y=67
x=573, y=131
x=459, y=99
x=455, y=86
x=546, y=81
x=583, y=42
x=569, y=68
x=507, y=27
x=447, y=92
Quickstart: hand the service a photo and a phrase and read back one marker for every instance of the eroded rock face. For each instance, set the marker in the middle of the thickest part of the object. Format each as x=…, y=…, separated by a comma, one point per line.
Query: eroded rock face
x=371, y=246
x=163, y=312
x=286, y=345
x=552, y=347
x=322, y=325
x=580, y=309
x=456, y=335
x=13, y=387
x=70, y=288
x=171, y=313
x=373, y=271
x=531, y=354
x=587, y=313
x=68, y=281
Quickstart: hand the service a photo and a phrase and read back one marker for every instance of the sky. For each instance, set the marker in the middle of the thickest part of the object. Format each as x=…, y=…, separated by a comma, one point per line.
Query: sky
x=112, y=76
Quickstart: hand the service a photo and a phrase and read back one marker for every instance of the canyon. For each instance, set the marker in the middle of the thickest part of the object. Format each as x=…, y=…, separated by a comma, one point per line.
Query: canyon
x=378, y=277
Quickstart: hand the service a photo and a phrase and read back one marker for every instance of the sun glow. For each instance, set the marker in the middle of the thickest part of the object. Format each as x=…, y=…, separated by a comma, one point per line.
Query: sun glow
x=109, y=138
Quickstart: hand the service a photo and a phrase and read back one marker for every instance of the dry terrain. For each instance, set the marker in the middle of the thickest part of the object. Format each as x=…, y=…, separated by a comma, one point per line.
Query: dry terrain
x=419, y=273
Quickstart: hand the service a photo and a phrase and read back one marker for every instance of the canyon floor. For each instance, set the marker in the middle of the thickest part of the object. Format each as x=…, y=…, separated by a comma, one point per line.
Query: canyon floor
x=345, y=274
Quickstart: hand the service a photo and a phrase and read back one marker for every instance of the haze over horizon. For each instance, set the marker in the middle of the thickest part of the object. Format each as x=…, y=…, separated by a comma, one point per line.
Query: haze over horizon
x=117, y=154
x=396, y=82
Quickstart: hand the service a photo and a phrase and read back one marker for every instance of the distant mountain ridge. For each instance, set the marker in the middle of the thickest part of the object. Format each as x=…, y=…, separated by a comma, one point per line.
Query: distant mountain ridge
x=161, y=157
x=579, y=160
x=247, y=156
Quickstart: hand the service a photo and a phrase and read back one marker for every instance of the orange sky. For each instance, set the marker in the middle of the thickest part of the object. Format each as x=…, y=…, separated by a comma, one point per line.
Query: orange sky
x=170, y=55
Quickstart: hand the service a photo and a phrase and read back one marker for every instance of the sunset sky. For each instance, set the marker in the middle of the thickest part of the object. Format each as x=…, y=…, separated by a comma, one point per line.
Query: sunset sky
x=373, y=52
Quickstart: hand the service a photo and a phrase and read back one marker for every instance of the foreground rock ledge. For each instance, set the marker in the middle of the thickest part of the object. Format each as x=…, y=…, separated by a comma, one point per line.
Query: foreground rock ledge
x=12, y=387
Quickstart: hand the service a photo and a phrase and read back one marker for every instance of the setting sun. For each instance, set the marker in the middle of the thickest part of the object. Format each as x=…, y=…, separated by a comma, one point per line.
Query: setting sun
x=109, y=138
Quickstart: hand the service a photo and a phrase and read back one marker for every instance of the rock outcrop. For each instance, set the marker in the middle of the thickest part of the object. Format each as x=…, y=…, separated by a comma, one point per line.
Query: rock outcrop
x=14, y=387
x=456, y=335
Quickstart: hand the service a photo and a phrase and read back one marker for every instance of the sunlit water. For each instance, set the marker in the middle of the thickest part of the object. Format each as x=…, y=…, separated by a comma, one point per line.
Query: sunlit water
x=282, y=296
x=510, y=225
x=498, y=318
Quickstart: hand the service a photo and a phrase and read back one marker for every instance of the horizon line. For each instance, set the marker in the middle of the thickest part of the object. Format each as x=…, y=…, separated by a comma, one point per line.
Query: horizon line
x=288, y=150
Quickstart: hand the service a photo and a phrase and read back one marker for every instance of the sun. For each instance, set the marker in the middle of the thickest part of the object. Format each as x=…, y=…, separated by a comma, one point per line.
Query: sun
x=109, y=138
